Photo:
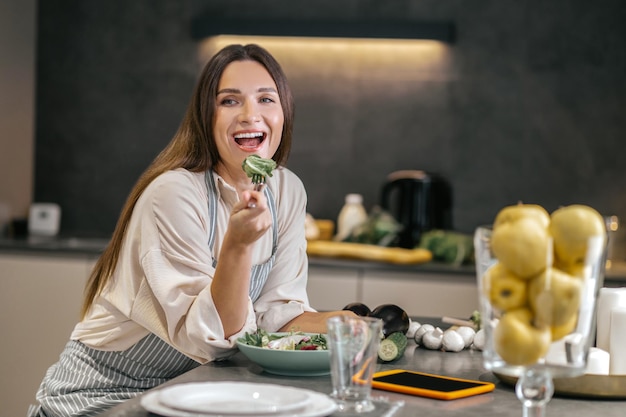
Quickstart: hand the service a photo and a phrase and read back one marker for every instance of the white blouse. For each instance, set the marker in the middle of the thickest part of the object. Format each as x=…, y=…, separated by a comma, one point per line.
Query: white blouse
x=162, y=280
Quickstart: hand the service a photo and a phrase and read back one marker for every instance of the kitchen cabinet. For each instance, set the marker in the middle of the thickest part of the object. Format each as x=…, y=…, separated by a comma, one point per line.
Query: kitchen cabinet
x=40, y=299
x=422, y=294
x=421, y=290
x=419, y=293
x=332, y=288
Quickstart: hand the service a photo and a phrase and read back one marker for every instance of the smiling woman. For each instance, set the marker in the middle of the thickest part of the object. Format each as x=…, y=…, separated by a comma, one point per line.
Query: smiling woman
x=192, y=264
x=248, y=118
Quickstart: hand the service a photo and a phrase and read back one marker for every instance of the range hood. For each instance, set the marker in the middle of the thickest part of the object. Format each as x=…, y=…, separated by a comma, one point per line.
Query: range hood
x=207, y=26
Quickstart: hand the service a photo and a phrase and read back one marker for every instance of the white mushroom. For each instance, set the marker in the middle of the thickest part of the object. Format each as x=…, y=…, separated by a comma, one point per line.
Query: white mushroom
x=432, y=339
x=467, y=333
x=419, y=333
x=413, y=326
x=452, y=341
x=479, y=339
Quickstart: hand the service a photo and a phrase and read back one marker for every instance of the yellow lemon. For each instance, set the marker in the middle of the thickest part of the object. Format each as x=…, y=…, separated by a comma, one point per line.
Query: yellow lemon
x=515, y=212
x=523, y=246
x=517, y=341
x=571, y=228
x=554, y=297
x=505, y=290
x=558, y=332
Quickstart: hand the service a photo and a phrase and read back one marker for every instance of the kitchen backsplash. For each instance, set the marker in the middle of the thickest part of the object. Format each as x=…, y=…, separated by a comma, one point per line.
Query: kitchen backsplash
x=520, y=107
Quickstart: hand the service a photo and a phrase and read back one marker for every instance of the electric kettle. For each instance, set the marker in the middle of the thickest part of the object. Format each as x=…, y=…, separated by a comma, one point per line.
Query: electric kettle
x=419, y=201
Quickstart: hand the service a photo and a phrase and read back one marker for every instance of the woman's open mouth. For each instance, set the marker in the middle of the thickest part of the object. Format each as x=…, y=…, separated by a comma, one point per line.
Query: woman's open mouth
x=250, y=140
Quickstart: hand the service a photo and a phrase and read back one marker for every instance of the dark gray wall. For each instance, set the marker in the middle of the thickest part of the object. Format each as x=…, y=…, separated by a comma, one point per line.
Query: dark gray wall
x=530, y=104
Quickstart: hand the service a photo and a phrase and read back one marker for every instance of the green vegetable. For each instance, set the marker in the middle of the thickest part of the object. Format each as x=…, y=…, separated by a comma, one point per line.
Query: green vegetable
x=259, y=338
x=380, y=229
x=449, y=247
x=476, y=319
x=258, y=168
x=262, y=338
x=319, y=341
x=392, y=347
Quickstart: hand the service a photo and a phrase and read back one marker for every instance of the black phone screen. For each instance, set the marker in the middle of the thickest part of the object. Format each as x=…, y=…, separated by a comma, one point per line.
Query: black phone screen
x=430, y=382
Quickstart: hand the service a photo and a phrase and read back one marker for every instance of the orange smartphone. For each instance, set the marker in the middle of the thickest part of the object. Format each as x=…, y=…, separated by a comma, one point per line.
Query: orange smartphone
x=429, y=385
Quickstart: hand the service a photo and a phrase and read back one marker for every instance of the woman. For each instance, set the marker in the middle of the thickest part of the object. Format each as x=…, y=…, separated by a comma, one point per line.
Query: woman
x=198, y=257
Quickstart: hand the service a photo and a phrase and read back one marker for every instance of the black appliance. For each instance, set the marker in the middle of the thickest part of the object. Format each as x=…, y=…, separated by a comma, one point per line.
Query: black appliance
x=418, y=200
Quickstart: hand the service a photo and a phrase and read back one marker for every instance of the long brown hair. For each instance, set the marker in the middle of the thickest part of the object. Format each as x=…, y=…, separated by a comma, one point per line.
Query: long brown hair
x=193, y=147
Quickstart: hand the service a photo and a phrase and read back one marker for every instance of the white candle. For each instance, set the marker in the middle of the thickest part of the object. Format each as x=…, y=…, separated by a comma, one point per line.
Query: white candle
x=598, y=362
x=618, y=341
x=608, y=299
x=556, y=354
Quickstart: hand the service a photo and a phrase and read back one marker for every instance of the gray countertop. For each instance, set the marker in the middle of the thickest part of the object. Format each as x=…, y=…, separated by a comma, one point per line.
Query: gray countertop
x=67, y=246
x=466, y=364
x=95, y=246
x=54, y=245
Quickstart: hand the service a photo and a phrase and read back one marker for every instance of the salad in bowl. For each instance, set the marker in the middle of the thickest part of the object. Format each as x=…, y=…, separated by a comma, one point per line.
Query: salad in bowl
x=287, y=353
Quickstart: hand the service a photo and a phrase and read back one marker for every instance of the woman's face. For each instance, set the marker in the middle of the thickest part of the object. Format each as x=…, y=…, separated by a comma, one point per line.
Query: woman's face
x=248, y=118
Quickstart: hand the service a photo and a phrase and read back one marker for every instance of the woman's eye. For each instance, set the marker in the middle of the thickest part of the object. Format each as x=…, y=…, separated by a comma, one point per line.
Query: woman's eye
x=267, y=100
x=228, y=101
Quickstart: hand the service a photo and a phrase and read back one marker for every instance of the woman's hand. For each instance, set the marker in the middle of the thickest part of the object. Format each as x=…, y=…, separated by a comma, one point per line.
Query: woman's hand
x=248, y=223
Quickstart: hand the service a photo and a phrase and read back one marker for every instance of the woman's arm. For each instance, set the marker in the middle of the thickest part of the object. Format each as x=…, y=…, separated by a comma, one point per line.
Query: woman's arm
x=231, y=282
x=313, y=322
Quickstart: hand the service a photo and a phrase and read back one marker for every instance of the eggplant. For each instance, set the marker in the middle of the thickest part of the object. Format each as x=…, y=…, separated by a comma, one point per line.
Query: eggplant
x=394, y=318
x=359, y=309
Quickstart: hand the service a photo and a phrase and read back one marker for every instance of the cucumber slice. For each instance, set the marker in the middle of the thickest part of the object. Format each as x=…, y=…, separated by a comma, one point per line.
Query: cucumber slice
x=392, y=347
x=387, y=351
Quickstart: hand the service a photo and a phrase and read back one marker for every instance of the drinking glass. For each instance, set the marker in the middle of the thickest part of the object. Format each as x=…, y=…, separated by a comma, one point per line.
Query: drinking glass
x=547, y=336
x=353, y=345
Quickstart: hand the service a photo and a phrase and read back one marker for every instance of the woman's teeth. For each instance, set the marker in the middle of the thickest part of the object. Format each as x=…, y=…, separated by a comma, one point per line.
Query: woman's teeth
x=249, y=140
x=248, y=135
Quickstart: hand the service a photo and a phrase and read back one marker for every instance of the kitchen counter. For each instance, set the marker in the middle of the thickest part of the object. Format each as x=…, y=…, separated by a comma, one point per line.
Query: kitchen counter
x=466, y=364
x=95, y=246
x=54, y=245
x=615, y=274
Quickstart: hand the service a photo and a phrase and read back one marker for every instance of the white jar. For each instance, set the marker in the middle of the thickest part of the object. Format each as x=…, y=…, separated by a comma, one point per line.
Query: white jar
x=351, y=215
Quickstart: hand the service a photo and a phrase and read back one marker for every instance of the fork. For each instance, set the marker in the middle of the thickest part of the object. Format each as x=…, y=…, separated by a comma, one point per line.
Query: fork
x=259, y=183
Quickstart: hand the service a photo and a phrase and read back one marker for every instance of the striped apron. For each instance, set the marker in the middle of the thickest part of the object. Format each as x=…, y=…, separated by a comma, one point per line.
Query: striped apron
x=260, y=272
x=86, y=381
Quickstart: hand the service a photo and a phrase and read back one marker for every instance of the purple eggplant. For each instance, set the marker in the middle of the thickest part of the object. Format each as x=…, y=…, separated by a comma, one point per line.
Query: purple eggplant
x=394, y=318
x=359, y=309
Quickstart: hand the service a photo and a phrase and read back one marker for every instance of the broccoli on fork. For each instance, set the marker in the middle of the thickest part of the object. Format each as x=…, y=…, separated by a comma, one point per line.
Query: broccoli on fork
x=258, y=168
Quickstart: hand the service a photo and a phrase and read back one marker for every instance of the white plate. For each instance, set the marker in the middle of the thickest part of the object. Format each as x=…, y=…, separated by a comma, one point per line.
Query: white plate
x=320, y=405
x=228, y=398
